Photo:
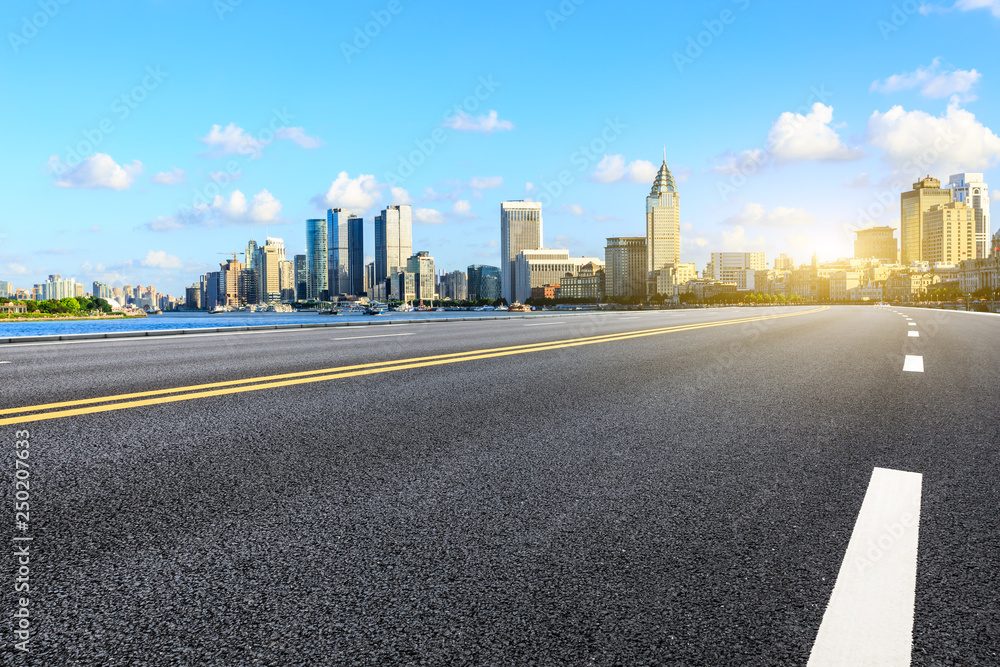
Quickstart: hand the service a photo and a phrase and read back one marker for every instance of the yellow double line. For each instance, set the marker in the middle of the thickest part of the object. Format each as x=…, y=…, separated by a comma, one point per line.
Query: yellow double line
x=45, y=411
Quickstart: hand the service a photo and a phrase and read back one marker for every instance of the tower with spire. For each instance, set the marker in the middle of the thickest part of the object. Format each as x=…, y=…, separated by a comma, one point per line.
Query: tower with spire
x=663, y=221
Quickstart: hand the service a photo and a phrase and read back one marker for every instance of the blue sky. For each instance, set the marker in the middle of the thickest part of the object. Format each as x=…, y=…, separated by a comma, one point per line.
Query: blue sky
x=145, y=137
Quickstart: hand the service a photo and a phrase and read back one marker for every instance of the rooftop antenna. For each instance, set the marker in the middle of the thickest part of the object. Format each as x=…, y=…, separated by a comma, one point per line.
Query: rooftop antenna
x=664, y=153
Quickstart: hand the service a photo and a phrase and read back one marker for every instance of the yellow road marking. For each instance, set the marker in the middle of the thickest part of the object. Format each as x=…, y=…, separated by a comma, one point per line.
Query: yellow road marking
x=326, y=374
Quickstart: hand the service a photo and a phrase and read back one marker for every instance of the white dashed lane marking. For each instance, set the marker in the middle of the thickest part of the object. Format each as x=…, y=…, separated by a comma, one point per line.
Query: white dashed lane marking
x=913, y=364
x=912, y=324
x=913, y=334
x=379, y=336
x=869, y=620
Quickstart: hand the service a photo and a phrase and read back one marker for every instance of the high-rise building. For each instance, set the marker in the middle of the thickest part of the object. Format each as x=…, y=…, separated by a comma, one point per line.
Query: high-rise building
x=301, y=278
x=875, y=243
x=970, y=189
x=422, y=266
x=914, y=204
x=546, y=266
x=520, y=229
x=735, y=267
x=949, y=233
x=56, y=287
x=483, y=282
x=192, y=296
x=6, y=289
x=625, y=271
x=663, y=221
x=230, y=292
x=345, y=238
x=286, y=280
x=393, y=240
x=101, y=291
x=317, y=259
x=269, y=259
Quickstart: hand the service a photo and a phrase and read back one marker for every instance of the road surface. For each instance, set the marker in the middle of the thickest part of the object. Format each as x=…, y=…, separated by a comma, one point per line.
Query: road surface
x=645, y=488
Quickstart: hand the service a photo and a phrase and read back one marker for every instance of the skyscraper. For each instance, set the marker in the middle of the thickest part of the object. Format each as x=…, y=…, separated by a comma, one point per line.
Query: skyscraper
x=949, y=233
x=663, y=221
x=520, y=229
x=317, y=287
x=301, y=278
x=269, y=259
x=393, y=240
x=970, y=189
x=625, y=267
x=345, y=238
x=913, y=206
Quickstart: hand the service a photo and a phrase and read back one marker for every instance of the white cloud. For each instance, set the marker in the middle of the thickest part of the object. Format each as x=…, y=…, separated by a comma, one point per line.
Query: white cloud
x=573, y=209
x=232, y=140
x=360, y=194
x=399, y=195
x=755, y=215
x=427, y=216
x=795, y=137
x=463, y=209
x=612, y=168
x=172, y=177
x=932, y=81
x=98, y=171
x=16, y=269
x=915, y=141
x=298, y=135
x=529, y=186
x=968, y=5
x=159, y=259
x=489, y=123
x=264, y=208
x=485, y=182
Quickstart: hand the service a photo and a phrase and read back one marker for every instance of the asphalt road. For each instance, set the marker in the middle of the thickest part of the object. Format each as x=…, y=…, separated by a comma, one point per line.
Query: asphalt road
x=679, y=498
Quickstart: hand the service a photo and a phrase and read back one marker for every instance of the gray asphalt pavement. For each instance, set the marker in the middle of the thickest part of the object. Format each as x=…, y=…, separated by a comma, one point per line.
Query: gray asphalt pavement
x=684, y=498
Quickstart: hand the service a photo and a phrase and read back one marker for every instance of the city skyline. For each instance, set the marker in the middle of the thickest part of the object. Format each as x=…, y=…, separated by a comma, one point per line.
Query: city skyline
x=182, y=159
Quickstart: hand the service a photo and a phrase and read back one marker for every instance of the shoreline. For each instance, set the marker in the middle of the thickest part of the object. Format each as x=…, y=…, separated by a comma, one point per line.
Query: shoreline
x=116, y=318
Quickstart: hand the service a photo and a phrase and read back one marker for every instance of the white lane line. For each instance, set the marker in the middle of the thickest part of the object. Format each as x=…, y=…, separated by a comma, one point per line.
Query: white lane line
x=913, y=334
x=4, y=362
x=913, y=364
x=869, y=620
x=545, y=324
x=379, y=336
x=912, y=324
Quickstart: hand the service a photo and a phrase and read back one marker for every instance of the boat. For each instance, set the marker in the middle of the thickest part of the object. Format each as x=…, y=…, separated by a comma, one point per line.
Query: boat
x=218, y=310
x=518, y=307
